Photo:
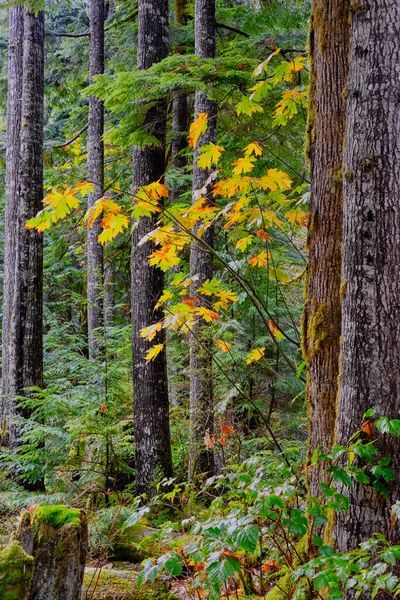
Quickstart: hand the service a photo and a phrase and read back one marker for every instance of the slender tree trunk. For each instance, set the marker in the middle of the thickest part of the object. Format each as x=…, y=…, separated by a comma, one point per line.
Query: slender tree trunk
x=96, y=175
x=25, y=341
x=201, y=264
x=153, y=458
x=14, y=103
x=180, y=114
x=329, y=49
x=370, y=351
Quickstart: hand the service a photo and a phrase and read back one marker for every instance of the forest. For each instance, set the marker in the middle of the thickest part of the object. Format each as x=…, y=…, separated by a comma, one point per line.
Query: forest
x=200, y=299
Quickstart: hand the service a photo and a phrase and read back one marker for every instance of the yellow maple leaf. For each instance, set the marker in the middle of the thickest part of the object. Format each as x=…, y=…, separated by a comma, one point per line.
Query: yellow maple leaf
x=225, y=296
x=83, y=188
x=166, y=295
x=150, y=332
x=243, y=243
x=164, y=258
x=297, y=216
x=275, y=180
x=101, y=205
x=224, y=346
x=154, y=351
x=274, y=329
x=253, y=148
x=211, y=154
x=197, y=128
x=112, y=224
x=243, y=165
x=260, y=260
x=206, y=314
x=255, y=355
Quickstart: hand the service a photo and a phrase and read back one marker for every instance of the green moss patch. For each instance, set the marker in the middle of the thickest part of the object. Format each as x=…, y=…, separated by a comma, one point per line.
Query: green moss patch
x=57, y=516
x=15, y=572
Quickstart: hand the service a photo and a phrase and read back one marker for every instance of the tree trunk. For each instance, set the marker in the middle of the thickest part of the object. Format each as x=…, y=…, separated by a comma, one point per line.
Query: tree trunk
x=180, y=115
x=14, y=103
x=201, y=264
x=329, y=49
x=57, y=538
x=96, y=175
x=370, y=351
x=153, y=459
x=25, y=341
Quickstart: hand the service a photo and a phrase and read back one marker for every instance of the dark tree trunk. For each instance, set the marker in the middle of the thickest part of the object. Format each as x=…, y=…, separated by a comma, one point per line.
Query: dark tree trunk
x=329, y=49
x=370, y=350
x=153, y=458
x=25, y=341
x=201, y=264
x=96, y=175
x=14, y=103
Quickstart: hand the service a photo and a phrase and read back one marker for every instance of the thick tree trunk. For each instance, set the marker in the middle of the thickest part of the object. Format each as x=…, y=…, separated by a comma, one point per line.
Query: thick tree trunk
x=329, y=49
x=96, y=175
x=153, y=458
x=25, y=342
x=201, y=264
x=370, y=351
x=14, y=103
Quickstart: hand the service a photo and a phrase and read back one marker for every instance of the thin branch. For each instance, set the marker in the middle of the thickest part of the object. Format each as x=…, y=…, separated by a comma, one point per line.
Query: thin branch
x=76, y=136
x=229, y=28
x=68, y=35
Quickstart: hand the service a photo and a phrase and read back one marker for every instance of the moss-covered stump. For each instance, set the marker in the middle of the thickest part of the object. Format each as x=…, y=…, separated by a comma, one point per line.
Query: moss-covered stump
x=106, y=585
x=15, y=572
x=56, y=537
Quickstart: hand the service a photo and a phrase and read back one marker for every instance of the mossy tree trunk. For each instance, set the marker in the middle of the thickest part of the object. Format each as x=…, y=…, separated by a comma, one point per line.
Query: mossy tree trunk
x=57, y=539
x=370, y=350
x=153, y=458
x=329, y=50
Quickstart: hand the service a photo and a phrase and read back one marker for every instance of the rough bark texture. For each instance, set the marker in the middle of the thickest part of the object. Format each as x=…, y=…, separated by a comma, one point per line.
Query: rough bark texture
x=370, y=351
x=57, y=538
x=14, y=102
x=201, y=264
x=25, y=341
x=329, y=49
x=96, y=175
x=153, y=458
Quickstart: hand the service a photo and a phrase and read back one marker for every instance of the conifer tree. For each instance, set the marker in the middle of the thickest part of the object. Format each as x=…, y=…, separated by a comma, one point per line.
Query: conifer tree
x=96, y=175
x=24, y=338
x=201, y=264
x=322, y=312
x=153, y=458
x=370, y=349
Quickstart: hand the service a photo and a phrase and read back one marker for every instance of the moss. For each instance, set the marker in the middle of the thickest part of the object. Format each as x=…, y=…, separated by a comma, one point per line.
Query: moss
x=343, y=289
x=319, y=327
x=15, y=572
x=284, y=586
x=111, y=586
x=57, y=516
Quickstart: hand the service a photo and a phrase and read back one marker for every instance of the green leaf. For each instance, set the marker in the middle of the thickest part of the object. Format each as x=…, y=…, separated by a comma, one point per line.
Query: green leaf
x=174, y=564
x=247, y=538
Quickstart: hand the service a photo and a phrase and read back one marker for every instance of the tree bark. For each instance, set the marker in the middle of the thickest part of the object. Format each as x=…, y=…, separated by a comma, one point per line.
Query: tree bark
x=25, y=341
x=370, y=350
x=153, y=459
x=14, y=104
x=180, y=115
x=201, y=263
x=96, y=175
x=329, y=50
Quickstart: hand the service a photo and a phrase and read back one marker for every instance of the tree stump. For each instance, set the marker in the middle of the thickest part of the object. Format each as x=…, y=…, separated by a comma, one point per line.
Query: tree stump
x=56, y=537
x=15, y=572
